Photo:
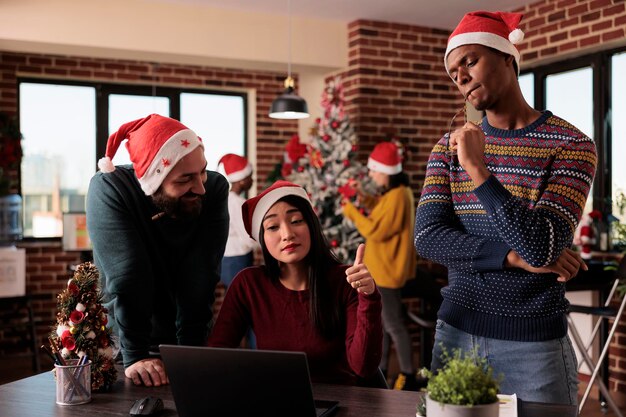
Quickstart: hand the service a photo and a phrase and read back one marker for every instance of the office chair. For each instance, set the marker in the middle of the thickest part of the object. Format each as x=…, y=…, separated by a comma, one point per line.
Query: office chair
x=605, y=312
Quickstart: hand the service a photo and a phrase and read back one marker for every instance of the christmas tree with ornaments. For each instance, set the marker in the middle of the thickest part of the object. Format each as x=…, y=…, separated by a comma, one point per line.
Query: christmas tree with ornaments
x=326, y=166
x=81, y=327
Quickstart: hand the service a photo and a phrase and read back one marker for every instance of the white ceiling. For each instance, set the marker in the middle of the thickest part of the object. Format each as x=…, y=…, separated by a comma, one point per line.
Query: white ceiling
x=443, y=14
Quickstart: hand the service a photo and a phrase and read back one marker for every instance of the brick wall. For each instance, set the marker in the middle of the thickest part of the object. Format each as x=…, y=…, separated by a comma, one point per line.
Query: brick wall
x=396, y=86
x=556, y=30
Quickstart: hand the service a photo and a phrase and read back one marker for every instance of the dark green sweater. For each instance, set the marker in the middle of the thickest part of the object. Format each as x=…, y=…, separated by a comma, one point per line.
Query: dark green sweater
x=158, y=276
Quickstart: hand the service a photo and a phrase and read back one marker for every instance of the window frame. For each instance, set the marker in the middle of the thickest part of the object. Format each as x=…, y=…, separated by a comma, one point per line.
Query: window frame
x=600, y=63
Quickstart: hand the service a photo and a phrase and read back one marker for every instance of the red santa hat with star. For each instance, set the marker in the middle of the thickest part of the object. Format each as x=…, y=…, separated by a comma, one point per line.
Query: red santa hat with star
x=255, y=208
x=497, y=30
x=155, y=145
x=235, y=167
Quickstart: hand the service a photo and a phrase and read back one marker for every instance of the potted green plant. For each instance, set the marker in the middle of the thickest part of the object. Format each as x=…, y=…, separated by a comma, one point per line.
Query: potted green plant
x=464, y=387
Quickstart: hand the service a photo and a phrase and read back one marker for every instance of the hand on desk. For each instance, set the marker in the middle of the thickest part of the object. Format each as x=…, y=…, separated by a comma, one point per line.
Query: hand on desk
x=566, y=266
x=147, y=372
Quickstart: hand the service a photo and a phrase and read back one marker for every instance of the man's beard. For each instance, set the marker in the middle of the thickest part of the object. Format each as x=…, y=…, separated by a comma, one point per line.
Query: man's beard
x=179, y=208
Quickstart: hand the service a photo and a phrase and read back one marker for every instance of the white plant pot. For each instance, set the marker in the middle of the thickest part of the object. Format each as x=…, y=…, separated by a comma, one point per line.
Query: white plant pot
x=437, y=409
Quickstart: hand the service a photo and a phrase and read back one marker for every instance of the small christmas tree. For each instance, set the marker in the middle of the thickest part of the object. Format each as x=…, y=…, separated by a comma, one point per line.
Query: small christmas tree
x=327, y=168
x=81, y=326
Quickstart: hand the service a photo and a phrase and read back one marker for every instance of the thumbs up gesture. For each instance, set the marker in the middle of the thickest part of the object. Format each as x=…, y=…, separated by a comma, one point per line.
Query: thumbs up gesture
x=358, y=275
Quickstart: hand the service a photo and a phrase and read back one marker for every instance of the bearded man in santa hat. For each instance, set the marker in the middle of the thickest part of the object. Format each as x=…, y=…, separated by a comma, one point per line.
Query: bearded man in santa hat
x=158, y=229
x=500, y=204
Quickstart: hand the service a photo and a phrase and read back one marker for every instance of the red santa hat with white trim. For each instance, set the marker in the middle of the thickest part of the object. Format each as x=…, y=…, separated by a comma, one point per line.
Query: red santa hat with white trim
x=255, y=208
x=236, y=167
x=386, y=158
x=155, y=145
x=497, y=30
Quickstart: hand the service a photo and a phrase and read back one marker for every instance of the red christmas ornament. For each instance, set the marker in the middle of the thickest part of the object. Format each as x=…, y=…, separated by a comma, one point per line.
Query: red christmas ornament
x=326, y=138
x=334, y=124
x=346, y=163
x=595, y=214
x=286, y=169
x=318, y=120
x=67, y=340
x=73, y=289
x=295, y=149
x=334, y=243
x=76, y=317
x=300, y=168
x=347, y=191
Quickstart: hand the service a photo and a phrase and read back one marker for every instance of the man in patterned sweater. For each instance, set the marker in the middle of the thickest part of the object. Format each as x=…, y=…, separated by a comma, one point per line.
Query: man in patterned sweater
x=499, y=208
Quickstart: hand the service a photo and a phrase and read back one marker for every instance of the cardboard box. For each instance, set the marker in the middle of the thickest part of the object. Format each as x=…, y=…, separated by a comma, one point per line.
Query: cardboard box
x=12, y=271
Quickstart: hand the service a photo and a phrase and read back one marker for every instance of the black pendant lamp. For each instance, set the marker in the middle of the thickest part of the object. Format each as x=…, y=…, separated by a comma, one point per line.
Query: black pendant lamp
x=289, y=105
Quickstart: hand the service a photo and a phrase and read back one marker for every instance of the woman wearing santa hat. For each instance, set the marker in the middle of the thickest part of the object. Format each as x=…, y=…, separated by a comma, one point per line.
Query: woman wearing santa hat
x=302, y=299
x=388, y=231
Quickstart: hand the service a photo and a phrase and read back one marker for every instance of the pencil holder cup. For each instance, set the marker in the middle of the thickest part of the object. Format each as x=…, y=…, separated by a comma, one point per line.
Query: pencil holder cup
x=73, y=383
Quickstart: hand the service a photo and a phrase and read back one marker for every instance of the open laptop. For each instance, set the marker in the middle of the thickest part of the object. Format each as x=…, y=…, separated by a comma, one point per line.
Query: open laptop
x=219, y=382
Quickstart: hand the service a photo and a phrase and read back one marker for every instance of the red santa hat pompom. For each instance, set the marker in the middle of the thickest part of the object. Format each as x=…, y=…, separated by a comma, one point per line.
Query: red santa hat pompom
x=255, y=208
x=155, y=145
x=386, y=158
x=497, y=30
x=236, y=167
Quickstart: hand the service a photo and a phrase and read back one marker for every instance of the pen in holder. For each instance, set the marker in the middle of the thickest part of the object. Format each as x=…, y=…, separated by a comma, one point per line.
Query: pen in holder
x=73, y=384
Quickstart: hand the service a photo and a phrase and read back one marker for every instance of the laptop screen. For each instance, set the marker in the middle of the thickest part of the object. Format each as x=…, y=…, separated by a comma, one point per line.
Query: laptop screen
x=240, y=382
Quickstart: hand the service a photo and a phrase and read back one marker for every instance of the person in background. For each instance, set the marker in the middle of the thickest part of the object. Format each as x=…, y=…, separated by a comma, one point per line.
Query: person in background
x=388, y=232
x=239, y=253
x=239, y=246
x=499, y=207
x=158, y=230
x=302, y=299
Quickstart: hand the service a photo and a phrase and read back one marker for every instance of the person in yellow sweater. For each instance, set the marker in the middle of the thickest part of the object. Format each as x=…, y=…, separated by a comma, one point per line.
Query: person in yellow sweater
x=389, y=251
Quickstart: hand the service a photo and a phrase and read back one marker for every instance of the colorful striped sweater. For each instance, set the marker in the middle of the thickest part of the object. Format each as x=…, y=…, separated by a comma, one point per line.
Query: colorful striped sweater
x=531, y=203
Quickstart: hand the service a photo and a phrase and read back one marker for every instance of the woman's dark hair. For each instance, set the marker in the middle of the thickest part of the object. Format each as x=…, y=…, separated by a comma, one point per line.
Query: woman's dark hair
x=322, y=307
x=397, y=180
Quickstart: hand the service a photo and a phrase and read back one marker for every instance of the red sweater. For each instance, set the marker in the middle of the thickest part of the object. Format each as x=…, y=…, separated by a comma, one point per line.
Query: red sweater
x=280, y=320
